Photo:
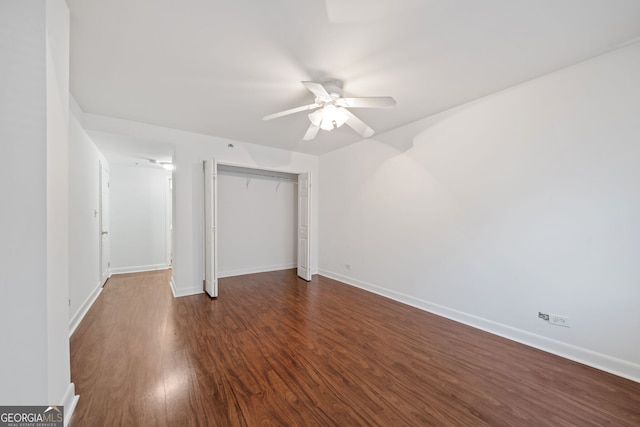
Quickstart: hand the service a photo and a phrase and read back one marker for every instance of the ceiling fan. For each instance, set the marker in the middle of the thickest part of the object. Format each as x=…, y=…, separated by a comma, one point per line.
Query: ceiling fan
x=332, y=110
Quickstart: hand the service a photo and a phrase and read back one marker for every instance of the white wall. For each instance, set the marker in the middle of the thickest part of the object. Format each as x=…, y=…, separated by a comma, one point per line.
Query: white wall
x=139, y=218
x=84, y=219
x=34, y=362
x=57, y=212
x=525, y=201
x=23, y=214
x=257, y=223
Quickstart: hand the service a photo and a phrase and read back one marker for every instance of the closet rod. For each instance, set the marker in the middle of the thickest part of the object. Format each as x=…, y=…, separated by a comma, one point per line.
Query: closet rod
x=264, y=175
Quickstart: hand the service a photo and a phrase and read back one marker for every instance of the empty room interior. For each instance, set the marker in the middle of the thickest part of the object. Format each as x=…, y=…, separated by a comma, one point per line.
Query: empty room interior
x=330, y=212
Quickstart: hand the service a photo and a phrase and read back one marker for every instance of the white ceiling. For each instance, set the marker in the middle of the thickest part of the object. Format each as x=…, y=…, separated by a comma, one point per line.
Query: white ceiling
x=217, y=67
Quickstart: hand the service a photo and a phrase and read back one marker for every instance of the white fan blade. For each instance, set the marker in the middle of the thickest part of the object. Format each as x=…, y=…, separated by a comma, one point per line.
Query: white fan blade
x=318, y=90
x=291, y=111
x=369, y=102
x=311, y=132
x=358, y=125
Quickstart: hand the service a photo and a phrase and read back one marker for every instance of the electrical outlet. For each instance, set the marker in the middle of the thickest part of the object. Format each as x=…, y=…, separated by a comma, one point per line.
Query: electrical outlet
x=347, y=266
x=558, y=320
x=543, y=316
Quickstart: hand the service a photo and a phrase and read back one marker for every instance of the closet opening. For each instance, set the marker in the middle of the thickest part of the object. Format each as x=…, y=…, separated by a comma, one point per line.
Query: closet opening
x=256, y=220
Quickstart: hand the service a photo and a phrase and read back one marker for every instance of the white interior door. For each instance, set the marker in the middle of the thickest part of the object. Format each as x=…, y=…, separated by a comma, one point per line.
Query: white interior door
x=304, y=226
x=105, y=242
x=211, y=222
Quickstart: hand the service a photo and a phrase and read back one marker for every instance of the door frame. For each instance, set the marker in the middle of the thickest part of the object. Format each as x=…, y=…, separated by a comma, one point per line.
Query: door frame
x=101, y=214
x=169, y=221
x=304, y=273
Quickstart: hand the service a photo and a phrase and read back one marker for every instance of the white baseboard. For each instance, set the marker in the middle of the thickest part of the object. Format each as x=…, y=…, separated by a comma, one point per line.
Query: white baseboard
x=177, y=293
x=84, y=308
x=139, y=268
x=69, y=401
x=587, y=357
x=252, y=270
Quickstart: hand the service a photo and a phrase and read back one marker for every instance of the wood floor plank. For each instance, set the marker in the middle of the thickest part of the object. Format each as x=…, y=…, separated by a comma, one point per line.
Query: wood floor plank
x=274, y=350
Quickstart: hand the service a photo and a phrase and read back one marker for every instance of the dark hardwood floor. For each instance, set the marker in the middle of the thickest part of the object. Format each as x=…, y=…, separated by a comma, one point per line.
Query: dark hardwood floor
x=275, y=350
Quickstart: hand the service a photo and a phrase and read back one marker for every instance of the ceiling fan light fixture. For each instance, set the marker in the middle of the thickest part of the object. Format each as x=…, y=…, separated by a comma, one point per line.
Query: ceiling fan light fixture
x=329, y=113
x=329, y=117
x=332, y=110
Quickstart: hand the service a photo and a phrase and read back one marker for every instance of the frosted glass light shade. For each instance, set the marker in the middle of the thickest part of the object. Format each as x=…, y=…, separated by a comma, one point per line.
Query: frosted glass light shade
x=316, y=117
x=329, y=117
x=340, y=117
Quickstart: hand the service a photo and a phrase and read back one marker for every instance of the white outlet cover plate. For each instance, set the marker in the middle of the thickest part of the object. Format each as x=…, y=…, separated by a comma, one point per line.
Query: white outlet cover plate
x=559, y=320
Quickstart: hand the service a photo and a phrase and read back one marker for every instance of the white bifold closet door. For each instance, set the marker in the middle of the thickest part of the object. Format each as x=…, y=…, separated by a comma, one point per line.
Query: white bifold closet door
x=211, y=232
x=304, y=226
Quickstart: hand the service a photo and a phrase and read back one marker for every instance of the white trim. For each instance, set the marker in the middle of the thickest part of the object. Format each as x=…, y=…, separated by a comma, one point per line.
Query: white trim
x=69, y=401
x=84, y=308
x=105, y=280
x=139, y=268
x=252, y=270
x=172, y=285
x=177, y=293
x=587, y=357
